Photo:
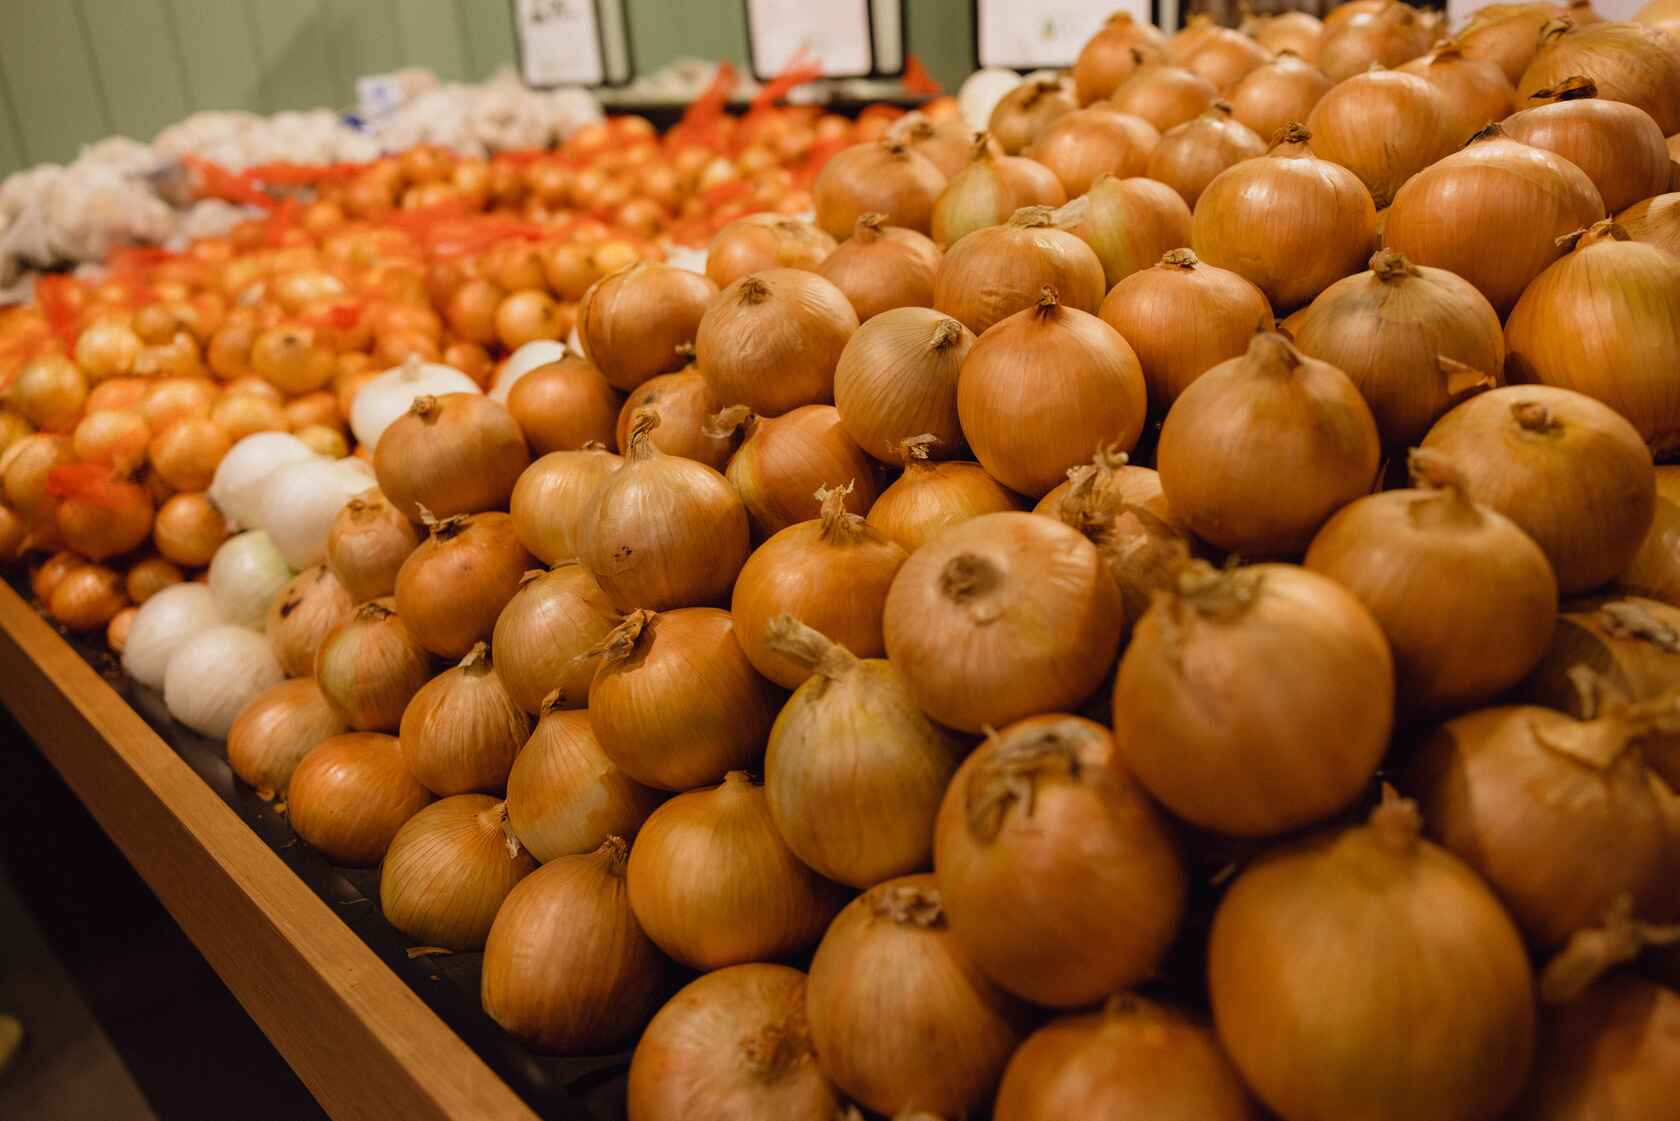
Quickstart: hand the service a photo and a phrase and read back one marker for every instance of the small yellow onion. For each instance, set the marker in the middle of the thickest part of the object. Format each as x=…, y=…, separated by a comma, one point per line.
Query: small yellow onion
x=930, y=497
x=897, y=378
x=684, y=402
x=1299, y=32
x=785, y=460
x=302, y=615
x=714, y=884
x=349, y=796
x=370, y=665
x=1618, y=145
x=1384, y=126
x=1628, y=62
x=566, y=968
x=1507, y=35
x=49, y=393
x=1279, y=92
x=1655, y=568
x=1656, y=221
x=1192, y=154
x=1112, y=54
x=367, y=544
x=884, y=176
x=1569, y=471
x=451, y=589
x=88, y=598
x=1390, y=329
x=551, y=496
x=564, y=405
x=1225, y=57
x=1261, y=449
x=1492, y=213
x=1477, y=91
x=1004, y=616
x=1466, y=599
x=448, y=870
x=632, y=321
x=1042, y=388
x=883, y=267
x=455, y=454
x=564, y=796
x=765, y=241
x=112, y=437
x=662, y=531
x=770, y=340
x=997, y=271
x=1083, y=146
x=1059, y=875
x=1027, y=110
x=676, y=704
x=543, y=636
x=1129, y=224
x=1163, y=94
x=854, y=771
x=1291, y=223
x=461, y=731
x=1388, y=36
x=276, y=730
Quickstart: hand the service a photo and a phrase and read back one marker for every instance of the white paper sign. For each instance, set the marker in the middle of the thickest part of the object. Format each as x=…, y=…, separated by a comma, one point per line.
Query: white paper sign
x=559, y=42
x=1028, y=35
x=1460, y=11
x=834, y=33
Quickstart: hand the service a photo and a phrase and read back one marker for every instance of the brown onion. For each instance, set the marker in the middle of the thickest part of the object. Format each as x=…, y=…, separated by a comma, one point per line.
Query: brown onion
x=1163, y=94
x=684, y=403
x=1656, y=221
x=1025, y=111
x=897, y=378
x=978, y=195
x=49, y=392
x=1225, y=57
x=350, y=794
x=564, y=405
x=148, y=577
x=770, y=340
x=945, y=144
x=112, y=437
x=1083, y=146
x=931, y=497
x=885, y=177
x=551, y=496
x=185, y=452
x=188, y=528
x=455, y=454
x=1129, y=224
x=997, y=271
x=1294, y=31
x=1627, y=62
x=1384, y=126
x=87, y=598
x=101, y=513
x=1476, y=89
x=883, y=267
x=448, y=870
x=543, y=636
x=368, y=542
x=461, y=731
x=1272, y=95
x=1619, y=146
x=565, y=797
x=1655, y=568
x=1392, y=34
x=631, y=322
x=1198, y=28
x=369, y=666
x=451, y=589
x=786, y=459
x=1507, y=35
x=765, y=241
x=1191, y=155
x=276, y=729
x=1112, y=54
x=305, y=611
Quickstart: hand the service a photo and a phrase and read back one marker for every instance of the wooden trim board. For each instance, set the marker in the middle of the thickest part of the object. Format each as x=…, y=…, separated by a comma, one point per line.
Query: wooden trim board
x=366, y=1046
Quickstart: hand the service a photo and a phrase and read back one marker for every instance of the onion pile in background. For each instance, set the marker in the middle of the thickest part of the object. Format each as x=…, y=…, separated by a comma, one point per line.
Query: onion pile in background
x=1163, y=607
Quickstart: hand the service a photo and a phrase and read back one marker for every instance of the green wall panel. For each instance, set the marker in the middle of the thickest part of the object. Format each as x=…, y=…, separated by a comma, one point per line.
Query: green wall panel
x=218, y=43
x=12, y=155
x=362, y=38
x=430, y=32
x=487, y=30
x=292, y=43
x=140, y=77
x=50, y=83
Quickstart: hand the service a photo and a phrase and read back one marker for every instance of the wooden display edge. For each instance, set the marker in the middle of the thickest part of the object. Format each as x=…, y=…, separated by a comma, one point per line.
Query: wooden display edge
x=365, y=1045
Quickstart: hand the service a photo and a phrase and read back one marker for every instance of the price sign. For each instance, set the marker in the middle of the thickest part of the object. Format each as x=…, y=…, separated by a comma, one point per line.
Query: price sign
x=1046, y=33
x=571, y=42
x=836, y=34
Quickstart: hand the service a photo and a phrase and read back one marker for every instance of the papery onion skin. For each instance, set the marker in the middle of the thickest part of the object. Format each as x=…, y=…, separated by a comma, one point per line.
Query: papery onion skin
x=1087, y=144
x=1112, y=54
x=1627, y=61
x=997, y=271
x=1044, y=824
x=307, y=609
x=564, y=405
x=1656, y=221
x=350, y=794
x=977, y=196
x=632, y=321
x=765, y=241
x=1025, y=111
x=1476, y=89
x=1300, y=737
x=1295, y=31
x=456, y=454
x=1384, y=126
x=461, y=732
x=1618, y=145
x=931, y=497
x=551, y=496
x=1655, y=568
x=770, y=341
x=1507, y=35
x=277, y=729
x=1399, y=926
x=369, y=667
x=785, y=460
x=449, y=869
x=1225, y=57
x=149, y=577
x=729, y=1045
x=1609, y=1053
x=188, y=529
x=1130, y=223
x=451, y=590
x=369, y=540
x=884, y=176
x=1163, y=94
x=684, y=402
x=543, y=635
x=565, y=797
x=1004, y=616
x=1280, y=91
x=897, y=379
x=1390, y=35
x=1191, y=155
x=882, y=267
x=210, y=677
x=87, y=599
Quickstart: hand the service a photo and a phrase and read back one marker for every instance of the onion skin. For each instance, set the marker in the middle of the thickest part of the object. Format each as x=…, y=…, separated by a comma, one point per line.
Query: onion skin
x=899, y=1015
x=1609, y=1053
x=350, y=794
x=369, y=667
x=785, y=460
x=1113, y=54
x=931, y=497
x=1507, y=35
x=1163, y=94
x=1025, y=111
x=997, y=271
x=1130, y=223
x=451, y=589
x=770, y=341
x=884, y=177
x=883, y=267
x=765, y=241
x=979, y=195
x=897, y=379
x=731, y=1044
x=565, y=797
x=550, y=497
x=277, y=729
x=1005, y=616
x=1520, y=442
x=1656, y=221
x=1655, y=568
x=543, y=635
x=1398, y=925
x=1044, y=824
x=448, y=871
x=1628, y=62
x=1191, y=155
x=564, y=405
x=461, y=731
x=1225, y=57
x=1277, y=92
x=307, y=609
x=459, y=453
x=1619, y=146
x=1132, y=1061
x=1087, y=144
x=1294, y=31
x=1390, y=35
x=1384, y=126
x=684, y=402
x=632, y=322
x=1476, y=89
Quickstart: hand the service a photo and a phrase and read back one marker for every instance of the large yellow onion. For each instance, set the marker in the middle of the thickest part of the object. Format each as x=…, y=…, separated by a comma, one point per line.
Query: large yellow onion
x=883, y=267
x=1274, y=94
x=1477, y=91
x=884, y=176
x=1225, y=57
x=785, y=460
x=1492, y=213
x=1301, y=734
x=1384, y=126
x=1569, y=471
x=451, y=590
x=1656, y=221
x=1163, y=94
x=1296, y=31
x=1627, y=62
x=997, y=271
x=461, y=731
x=1182, y=317
x=1042, y=388
x=684, y=403
x=1507, y=35
x=564, y=405
x=979, y=195
x=1389, y=329
x=1397, y=926
x=765, y=241
x=543, y=634
x=1618, y=145
x=550, y=497
x=1187, y=40
x=1112, y=54
x=930, y=497
x=1089, y=143
x=1388, y=36
x=946, y=143
x=1661, y=14
x=1261, y=449
x=1655, y=569
x=1044, y=824
x=1609, y=1053
x=1192, y=154
x=1466, y=599
x=564, y=796
x=448, y=870
x=1129, y=223
x=1004, y=616
x=770, y=341
x=897, y=378
x=455, y=454
x=1290, y=222
x=276, y=729
x=1027, y=110
x=631, y=322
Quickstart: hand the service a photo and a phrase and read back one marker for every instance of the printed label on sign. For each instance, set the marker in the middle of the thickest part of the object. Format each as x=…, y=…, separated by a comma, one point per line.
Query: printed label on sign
x=1048, y=34
x=559, y=43
x=834, y=33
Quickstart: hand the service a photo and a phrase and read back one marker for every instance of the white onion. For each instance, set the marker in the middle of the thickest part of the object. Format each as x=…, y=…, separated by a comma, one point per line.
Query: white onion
x=980, y=93
x=537, y=352
x=215, y=674
x=246, y=574
x=237, y=486
x=299, y=504
x=386, y=397
x=162, y=624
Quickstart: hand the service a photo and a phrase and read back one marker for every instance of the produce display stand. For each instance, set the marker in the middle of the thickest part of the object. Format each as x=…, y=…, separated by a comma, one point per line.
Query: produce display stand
x=373, y=1033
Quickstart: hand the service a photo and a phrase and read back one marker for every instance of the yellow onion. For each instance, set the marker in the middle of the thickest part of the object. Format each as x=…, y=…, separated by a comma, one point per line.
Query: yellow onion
x=1083, y=146
x=945, y=144
x=1391, y=35
x=1661, y=14
x=765, y=241
x=1182, y=317
x=566, y=969
x=1466, y=599
x=1415, y=341
x=1031, y=182
x=461, y=731
x=455, y=454
x=101, y=513
x=1258, y=451
x=1618, y=145
x=1476, y=90
x=564, y=405
x=542, y=637
x=900, y=1017
x=714, y=884
x=1570, y=472
x=1129, y=224
x=930, y=497
x=564, y=796
x=683, y=401
x=1187, y=40
x=1656, y=221
x=882, y=176
x=370, y=665
x=88, y=598
x=276, y=729
x=1163, y=94
x=1507, y=35
x=1299, y=32
x=302, y=615
x=1627, y=62
x=1290, y=222
x=111, y=437
x=551, y=495
x=675, y=703
x=448, y=870
x=883, y=267
x=1397, y=926
x=1225, y=57
x=1384, y=126
x=349, y=796
x=770, y=341
x=1042, y=388
x=1004, y=616
x=977, y=196
x=452, y=588
x=367, y=544
x=732, y=1044
x=1276, y=93
x=1059, y=876
x=1025, y=111
x=897, y=378
x=662, y=531
x=632, y=321
x=1134, y=1058
x=1299, y=739
x=786, y=459
x=1655, y=568
x=997, y=271
x=1190, y=155
x=49, y=392
x=1112, y=54
x=854, y=771
x=1492, y=213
